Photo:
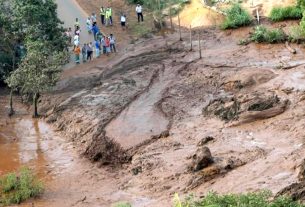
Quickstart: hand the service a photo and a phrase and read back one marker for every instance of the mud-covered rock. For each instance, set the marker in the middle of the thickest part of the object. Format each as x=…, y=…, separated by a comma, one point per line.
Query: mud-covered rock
x=205, y=140
x=201, y=159
x=223, y=108
x=301, y=175
x=296, y=191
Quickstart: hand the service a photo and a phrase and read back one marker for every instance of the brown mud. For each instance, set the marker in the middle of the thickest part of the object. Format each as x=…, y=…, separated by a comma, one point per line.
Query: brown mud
x=158, y=120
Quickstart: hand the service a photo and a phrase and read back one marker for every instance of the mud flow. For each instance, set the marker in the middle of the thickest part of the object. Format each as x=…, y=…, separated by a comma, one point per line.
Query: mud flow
x=31, y=143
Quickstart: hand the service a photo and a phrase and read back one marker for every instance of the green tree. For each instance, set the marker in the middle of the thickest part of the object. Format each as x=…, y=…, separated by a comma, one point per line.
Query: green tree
x=38, y=72
x=36, y=23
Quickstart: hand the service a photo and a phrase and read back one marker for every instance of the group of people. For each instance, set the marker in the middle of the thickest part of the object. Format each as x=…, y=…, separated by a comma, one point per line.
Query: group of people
x=102, y=44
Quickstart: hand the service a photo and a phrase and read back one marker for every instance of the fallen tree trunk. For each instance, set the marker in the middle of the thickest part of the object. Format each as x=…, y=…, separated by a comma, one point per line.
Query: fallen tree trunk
x=252, y=116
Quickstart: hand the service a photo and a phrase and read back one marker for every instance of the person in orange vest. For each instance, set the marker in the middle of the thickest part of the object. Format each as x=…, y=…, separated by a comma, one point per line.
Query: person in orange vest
x=77, y=52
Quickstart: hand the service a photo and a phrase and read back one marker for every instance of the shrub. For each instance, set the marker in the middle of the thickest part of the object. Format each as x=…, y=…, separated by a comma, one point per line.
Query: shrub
x=263, y=35
x=296, y=34
x=284, y=13
x=236, y=17
x=122, y=204
x=261, y=199
x=15, y=189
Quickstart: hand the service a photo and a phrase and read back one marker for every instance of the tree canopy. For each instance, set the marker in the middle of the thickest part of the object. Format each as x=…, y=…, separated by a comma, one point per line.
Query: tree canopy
x=34, y=46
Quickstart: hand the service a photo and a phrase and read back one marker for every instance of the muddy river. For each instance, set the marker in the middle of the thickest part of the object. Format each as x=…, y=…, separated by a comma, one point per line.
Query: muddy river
x=31, y=142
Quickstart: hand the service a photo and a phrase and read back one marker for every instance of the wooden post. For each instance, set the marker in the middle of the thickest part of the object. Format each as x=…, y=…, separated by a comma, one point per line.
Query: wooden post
x=11, y=112
x=170, y=18
x=257, y=15
x=199, y=45
x=191, y=39
x=179, y=27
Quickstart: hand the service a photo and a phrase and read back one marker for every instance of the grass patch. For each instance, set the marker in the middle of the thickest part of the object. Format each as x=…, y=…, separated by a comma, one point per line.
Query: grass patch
x=296, y=34
x=261, y=199
x=16, y=188
x=236, y=17
x=122, y=204
x=263, y=35
x=285, y=13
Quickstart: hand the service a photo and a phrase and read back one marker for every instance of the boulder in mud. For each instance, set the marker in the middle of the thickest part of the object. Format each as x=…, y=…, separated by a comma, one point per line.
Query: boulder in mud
x=205, y=140
x=201, y=159
x=301, y=175
x=296, y=191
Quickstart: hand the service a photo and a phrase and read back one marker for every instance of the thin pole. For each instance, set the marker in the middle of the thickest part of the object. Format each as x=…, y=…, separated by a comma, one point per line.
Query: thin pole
x=179, y=27
x=199, y=45
x=170, y=17
x=191, y=41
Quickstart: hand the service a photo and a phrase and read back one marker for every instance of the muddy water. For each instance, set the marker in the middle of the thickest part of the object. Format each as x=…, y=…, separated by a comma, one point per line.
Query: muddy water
x=30, y=142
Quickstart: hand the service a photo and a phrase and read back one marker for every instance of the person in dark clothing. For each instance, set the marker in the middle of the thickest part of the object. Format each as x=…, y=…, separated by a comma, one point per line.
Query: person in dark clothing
x=89, y=51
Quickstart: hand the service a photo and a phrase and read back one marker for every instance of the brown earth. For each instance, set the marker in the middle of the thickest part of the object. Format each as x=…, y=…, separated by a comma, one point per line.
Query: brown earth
x=145, y=117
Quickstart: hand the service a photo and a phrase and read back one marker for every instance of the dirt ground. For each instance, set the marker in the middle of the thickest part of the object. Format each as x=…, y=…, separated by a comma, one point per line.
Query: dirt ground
x=144, y=117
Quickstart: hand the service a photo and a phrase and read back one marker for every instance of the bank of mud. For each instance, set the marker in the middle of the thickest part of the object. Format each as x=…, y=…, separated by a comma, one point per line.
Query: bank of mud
x=238, y=101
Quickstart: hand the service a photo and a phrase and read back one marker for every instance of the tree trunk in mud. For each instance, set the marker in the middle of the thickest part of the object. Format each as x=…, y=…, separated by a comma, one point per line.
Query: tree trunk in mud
x=179, y=27
x=11, y=112
x=35, y=102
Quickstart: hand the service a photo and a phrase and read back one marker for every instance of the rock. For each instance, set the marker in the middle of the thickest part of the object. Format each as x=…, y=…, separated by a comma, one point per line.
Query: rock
x=201, y=159
x=295, y=191
x=136, y=170
x=301, y=175
x=205, y=140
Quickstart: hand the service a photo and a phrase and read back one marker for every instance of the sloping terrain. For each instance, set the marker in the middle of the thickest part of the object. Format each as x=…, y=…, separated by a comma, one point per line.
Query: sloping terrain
x=148, y=115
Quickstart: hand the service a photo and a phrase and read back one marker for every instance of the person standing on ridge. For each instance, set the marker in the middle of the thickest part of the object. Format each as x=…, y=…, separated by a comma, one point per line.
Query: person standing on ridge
x=84, y=53
x=93, y=18
x=107, y=16
x=97, y=48
x=110, y=16
x=112, y=43
x=77, y=54
x=103, y=13
x=89, y=51
x=107, y=43
x=139, y=12
x=123, y=21
x=89, y=25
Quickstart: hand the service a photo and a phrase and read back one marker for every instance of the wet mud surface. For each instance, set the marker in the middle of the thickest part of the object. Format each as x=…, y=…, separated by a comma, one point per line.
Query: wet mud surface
x=158, y=120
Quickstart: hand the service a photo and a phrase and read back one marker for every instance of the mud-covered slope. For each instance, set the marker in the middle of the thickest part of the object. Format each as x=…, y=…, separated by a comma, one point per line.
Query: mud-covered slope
x=156, y=109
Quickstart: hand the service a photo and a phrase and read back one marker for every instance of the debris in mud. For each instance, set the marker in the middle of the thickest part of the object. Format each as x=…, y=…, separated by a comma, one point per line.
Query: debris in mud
x=301, y=175
x=296, y=191
x=106, y=151
x=136, y=170
x=246, y=108
x=201, y=159
x=224, y=108
x=219, y=167
x=205, y=140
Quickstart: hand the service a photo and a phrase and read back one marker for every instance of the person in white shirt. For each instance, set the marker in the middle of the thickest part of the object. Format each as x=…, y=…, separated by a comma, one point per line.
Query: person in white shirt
x=123, y=21
x=139, y=13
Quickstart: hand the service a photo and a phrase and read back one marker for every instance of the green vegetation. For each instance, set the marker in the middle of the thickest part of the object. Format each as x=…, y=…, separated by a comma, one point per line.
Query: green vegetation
x=285, y=13
x=261, y=199
x=15, y=189
x=296, y=34
x=33, y=44
x=122, y=204
x=236, y=17
x=263, y=35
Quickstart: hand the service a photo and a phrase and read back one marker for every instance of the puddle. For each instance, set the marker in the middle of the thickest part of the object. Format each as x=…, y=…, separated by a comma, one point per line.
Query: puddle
x=30, y=142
